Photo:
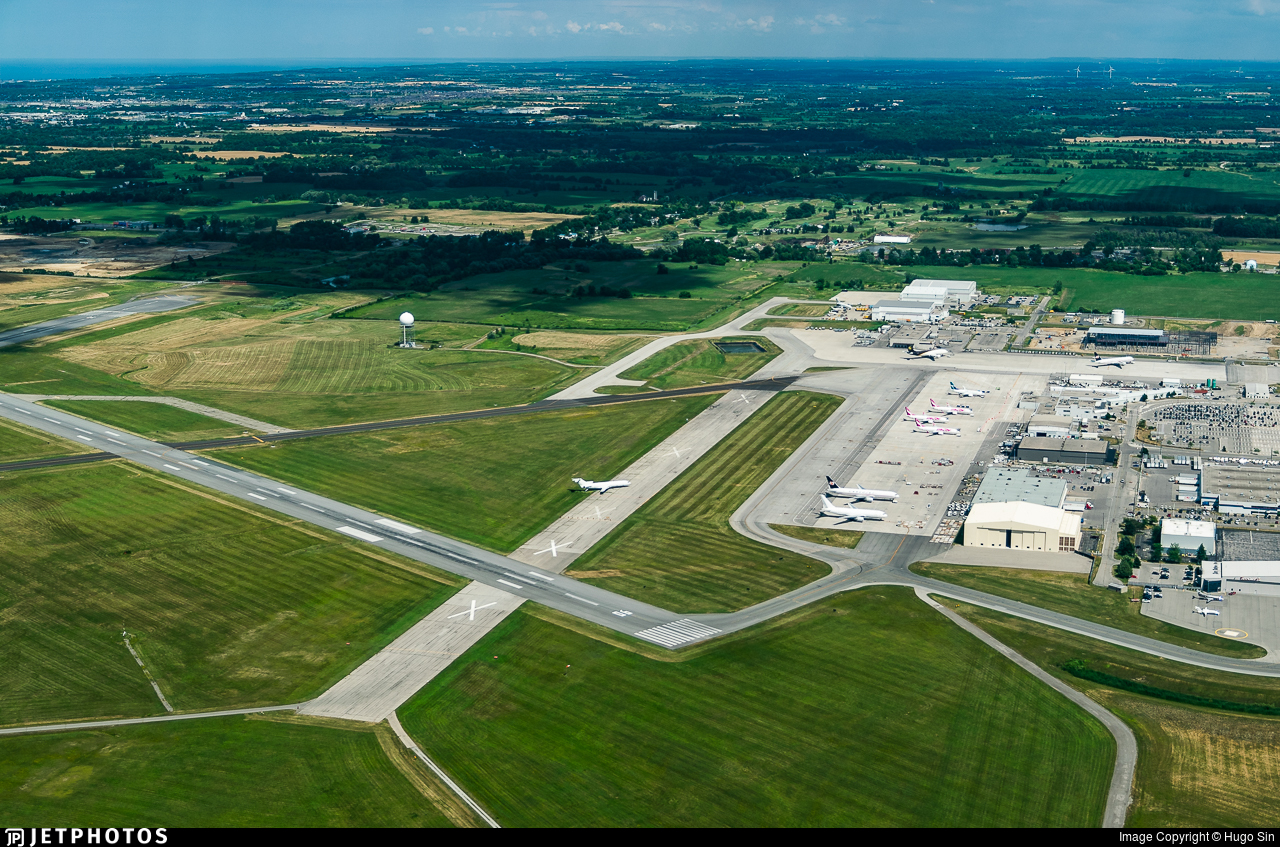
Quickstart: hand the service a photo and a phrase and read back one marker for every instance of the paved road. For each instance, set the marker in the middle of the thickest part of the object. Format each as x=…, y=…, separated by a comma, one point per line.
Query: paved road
x=65, y=727
x=1120, y=792
x=163, y=303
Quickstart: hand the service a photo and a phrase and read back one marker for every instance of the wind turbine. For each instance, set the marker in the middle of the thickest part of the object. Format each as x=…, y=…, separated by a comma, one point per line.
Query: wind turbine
x=1077, y=72
x=1110, y=71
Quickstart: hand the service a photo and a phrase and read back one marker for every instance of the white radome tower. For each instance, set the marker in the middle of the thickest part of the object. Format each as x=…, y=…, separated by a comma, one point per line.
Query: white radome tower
x=406, y=330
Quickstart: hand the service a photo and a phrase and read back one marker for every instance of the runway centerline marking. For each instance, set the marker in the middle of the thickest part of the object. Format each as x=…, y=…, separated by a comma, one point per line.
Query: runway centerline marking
x=581, y=599
x=512, y=584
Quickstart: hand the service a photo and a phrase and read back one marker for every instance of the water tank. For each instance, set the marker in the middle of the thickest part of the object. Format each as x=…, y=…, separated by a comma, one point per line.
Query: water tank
x=1117, y=317
x=406, y=319
x=1251, y=265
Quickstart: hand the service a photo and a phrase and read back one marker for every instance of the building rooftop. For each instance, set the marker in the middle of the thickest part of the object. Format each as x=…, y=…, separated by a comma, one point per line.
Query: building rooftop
x=1007, y=485
x=1124, y=330
x=1022, y=513
x=1189, y=529
x=1241, y=483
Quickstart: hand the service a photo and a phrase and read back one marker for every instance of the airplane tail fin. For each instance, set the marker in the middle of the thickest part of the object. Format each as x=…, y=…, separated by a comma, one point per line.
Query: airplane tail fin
x=831, y=483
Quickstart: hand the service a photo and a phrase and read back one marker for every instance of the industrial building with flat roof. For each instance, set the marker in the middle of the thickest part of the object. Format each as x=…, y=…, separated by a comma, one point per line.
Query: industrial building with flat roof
x=1022, y=526
x=1188, y=535
x=956, y=291
x=1007, y=485
x=1066, y=451
x=1131, y=338
x=1050, y=425
x=1240, y=489
x=899, y=310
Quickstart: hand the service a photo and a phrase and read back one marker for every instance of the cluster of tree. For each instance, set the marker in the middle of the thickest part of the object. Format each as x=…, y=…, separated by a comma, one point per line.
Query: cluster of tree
x=311, y=235
x=1077, y=668
x=804, y=210
x=1145, y=262
x=745, y=215
x=35, y=225
x=1166, y=220
x=582, y=291
x=1152, y=201
x=1246, y=227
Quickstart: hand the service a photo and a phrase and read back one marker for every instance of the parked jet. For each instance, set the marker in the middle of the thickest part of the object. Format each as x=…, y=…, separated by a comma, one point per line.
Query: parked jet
x=912, y=416
x=859, y=493
x=1118, y=361
x=937, y=430
x=949, y=410
x=602, y=487
x=966, y=392
x=1206, y=612
x=849, y=513
x=935, y=353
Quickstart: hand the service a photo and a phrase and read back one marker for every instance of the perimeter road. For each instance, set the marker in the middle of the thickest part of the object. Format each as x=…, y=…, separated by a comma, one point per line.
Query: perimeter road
x=1120, y=795
x=68, y=727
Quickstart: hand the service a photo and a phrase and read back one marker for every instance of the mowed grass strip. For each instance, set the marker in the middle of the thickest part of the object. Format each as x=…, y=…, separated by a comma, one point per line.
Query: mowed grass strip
x=493, y=482
x=151, y=420
x=678, y=550
x=1071, y=594
x=699, y=361
x=1197, y=767
x=869, y=709
x=227, y=608
x=211, y=772
x=18, y=443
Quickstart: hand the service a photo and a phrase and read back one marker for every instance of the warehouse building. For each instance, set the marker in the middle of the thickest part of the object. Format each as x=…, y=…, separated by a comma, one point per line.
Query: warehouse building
x=953, y=291
x=1008, y=485
x=1188, y=535
x=907, y=312
x=1022, y=526
x=1052, y=426
x=1066, y=451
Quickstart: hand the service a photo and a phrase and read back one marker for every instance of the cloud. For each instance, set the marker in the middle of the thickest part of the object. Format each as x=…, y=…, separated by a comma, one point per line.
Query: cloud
x=1262, y=7
x=657, y=27
x=426, y=30
x=573, y=27
x=612, y=26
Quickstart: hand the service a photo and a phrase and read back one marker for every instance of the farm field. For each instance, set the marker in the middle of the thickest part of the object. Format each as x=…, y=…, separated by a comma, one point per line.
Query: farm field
x=18, y=443
x=494, y=482
x=1161, y=189
x=507, y=299
x=706, y=566
x=699, y=361
x=150, y=420
x=312, y=373
x=1194, y=295
x=227, y=608
x=1197, y=766
x=226, y=772
x=526, y=222
x=1071, y=594
x=906, y=723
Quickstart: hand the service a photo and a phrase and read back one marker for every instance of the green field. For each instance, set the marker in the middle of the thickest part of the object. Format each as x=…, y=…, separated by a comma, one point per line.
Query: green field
x=214, y=772
x=226, y=608
x=1197, y=767
x=847, y=538
x=507, y=299
x=1195, y=295
x=18, y=443
x=705, y=566
x=868, y=709
x=1163, y=189
x=24, y=371
x=700, y=361
x=301, y=373
x=150, y=420
x=1071, y=594
x=494, y=482
x=55, y=296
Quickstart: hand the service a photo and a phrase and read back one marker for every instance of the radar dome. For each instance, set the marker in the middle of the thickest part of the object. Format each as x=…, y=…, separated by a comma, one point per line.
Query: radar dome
x=406, y=319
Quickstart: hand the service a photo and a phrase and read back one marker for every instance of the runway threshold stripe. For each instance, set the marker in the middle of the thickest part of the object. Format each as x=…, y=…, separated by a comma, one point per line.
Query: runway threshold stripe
x=512, y=584
x=355, y=533
x=580, y=599
x=396, y=525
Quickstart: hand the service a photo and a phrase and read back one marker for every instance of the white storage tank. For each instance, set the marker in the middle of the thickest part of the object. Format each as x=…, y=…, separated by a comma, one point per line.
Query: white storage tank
x=1117, y=317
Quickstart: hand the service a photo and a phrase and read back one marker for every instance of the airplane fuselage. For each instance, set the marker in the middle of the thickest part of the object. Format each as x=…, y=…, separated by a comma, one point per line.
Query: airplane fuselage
x=859, y=493
x=849, y=513
x=950, y=410
x=1117, y=361
x=937, y=430
x=602, y=487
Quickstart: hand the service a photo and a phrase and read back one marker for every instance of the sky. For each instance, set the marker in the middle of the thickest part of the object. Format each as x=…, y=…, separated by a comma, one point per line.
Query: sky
x=306, y=31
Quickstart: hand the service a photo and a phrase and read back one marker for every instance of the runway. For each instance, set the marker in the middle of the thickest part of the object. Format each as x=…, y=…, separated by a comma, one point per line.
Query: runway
x=163, y=303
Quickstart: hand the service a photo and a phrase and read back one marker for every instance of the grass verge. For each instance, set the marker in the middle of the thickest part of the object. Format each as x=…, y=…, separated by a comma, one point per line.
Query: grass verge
x=156, y=421
x=846, y=538
x=678, y=550
x=18, y=443
x=228, y=608
x=1071, y=594
x=866, y=710
x=214, y=772
x=699, y=361
x=494, y=482
x=1196, y=767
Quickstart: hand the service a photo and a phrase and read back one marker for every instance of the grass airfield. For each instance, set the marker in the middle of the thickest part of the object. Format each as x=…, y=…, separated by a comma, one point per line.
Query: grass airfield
x=866, y=710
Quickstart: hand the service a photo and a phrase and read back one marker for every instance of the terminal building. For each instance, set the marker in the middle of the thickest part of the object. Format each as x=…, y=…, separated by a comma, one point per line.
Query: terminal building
x=1066, y=451
x=1188, y=535
x=1015, y=509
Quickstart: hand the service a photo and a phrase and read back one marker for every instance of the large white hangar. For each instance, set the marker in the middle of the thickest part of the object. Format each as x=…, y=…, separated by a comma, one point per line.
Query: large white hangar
x=1022, y=526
